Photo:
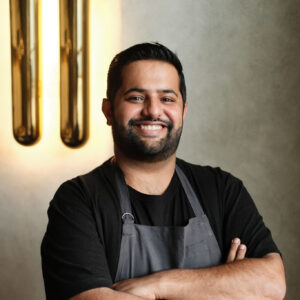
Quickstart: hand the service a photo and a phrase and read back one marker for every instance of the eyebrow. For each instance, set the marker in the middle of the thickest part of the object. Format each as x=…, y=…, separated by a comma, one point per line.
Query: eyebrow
x=169, y=92
x=135, y=90
x=139, y=90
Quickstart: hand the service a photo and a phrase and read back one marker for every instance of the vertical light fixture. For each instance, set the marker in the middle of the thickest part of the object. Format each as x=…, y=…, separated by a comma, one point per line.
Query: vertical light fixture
x=74, y=81
x=25, y=70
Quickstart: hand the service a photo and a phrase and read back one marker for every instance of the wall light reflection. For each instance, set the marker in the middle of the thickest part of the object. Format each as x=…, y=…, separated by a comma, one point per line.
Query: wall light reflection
x=25, y=70
x=74, y=81
x=105, y=41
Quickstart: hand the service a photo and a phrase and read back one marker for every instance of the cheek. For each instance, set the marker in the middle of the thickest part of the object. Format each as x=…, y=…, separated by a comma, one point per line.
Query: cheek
x=126, y=112
x=175, y=115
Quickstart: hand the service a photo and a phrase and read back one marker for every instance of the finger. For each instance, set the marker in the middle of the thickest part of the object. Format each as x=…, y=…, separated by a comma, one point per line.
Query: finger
x=241, y=252
x=119, y=284
x=233, y=250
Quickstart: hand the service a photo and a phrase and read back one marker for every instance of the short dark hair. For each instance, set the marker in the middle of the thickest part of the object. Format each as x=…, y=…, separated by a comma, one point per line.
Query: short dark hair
x=137, y=52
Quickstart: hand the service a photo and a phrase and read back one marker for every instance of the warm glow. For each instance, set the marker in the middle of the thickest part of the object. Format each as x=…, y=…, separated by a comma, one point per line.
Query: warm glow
x=50, y=73
x=50, y=153
x=105, y=37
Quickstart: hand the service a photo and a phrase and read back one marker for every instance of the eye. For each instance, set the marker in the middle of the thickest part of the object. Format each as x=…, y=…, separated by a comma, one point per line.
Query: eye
x=167, y=99
x=135, y=98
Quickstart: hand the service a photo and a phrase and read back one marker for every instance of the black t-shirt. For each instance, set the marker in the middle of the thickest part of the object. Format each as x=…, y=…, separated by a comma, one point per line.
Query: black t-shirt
x=81, y=246
x=172, y=208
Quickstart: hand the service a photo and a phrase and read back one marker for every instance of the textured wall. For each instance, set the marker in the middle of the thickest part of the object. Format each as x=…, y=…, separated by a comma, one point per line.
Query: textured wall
x=29, y=176
x=242, y=65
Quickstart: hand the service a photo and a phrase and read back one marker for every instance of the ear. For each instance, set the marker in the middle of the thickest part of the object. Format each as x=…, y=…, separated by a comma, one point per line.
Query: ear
x=106, y=109
x=185, y=109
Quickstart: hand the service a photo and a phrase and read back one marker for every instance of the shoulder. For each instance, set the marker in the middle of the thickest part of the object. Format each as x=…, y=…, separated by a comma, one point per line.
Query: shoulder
x=217, y=189
x=86, y=188
x=207, y=174
x=98, y=179
x=200, y=170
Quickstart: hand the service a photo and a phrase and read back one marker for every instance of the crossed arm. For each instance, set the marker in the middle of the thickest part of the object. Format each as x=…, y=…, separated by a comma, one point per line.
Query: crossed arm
x=239, y=278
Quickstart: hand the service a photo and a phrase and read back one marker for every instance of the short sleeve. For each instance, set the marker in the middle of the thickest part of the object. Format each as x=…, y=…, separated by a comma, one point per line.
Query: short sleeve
x=242, y=219
x=73, y=255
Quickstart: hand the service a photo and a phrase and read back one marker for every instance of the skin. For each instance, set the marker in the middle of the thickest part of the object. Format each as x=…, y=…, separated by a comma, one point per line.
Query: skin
x=244, y=279
x=153, y=93
x=143, y=94
x=236, y=253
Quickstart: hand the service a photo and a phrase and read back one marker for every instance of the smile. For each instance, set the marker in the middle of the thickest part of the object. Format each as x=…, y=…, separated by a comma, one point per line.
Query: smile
x=151, y=127
x=150, y=124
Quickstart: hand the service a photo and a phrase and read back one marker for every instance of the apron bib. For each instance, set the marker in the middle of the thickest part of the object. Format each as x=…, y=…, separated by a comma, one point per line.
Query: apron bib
x=148, y=249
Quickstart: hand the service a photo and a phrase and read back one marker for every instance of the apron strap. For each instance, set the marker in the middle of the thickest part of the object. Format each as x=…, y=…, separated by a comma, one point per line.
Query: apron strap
x=193, y=199
x=123, y=193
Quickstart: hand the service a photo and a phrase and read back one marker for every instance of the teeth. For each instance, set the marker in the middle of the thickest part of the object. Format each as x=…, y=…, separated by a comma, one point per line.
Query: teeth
x=151, y=127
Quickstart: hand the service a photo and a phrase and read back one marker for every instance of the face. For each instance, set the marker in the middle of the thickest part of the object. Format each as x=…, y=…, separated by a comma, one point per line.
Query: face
x=148, y=112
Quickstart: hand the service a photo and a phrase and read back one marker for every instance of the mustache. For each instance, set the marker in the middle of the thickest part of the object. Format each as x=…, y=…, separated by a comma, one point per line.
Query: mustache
x=167, y=123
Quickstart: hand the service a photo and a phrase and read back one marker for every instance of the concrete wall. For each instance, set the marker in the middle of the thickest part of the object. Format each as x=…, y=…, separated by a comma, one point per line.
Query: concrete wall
x=242, y=65
x=29, y=176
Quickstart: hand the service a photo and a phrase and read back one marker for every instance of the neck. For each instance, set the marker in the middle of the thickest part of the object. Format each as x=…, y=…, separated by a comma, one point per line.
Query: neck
x=151, y=178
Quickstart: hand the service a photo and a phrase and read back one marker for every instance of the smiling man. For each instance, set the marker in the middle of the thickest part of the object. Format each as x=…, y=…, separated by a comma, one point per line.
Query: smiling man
x=147, y=225
x=148, y=112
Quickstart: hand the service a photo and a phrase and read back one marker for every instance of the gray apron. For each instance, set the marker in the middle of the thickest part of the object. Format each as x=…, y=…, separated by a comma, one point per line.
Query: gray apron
x=148, y=249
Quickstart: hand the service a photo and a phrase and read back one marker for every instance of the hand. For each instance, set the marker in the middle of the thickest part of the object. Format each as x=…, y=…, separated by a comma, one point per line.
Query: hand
x=145, y=287
x=237, y=251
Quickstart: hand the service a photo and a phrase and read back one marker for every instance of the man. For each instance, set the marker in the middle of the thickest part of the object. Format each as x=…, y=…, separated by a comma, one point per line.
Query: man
x=146, y=225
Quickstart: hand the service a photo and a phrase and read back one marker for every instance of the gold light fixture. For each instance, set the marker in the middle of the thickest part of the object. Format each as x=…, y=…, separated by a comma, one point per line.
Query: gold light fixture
x=74, y=81
x=25, y=70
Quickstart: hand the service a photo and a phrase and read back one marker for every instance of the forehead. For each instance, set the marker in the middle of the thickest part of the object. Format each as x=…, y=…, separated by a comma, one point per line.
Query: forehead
x=150, y=74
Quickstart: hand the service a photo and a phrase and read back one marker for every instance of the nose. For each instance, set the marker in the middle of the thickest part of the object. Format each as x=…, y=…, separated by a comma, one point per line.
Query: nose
x=152, y=107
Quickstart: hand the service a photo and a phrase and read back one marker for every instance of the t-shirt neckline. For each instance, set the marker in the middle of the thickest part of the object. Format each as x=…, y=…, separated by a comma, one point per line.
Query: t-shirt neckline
x=169, y=192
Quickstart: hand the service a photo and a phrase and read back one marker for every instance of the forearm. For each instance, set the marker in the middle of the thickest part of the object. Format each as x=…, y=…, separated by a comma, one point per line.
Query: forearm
x=105, y=294
x=247, y=279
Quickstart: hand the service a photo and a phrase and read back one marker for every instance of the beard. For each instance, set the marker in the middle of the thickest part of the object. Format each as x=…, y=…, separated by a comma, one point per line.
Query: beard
x=129, y=142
